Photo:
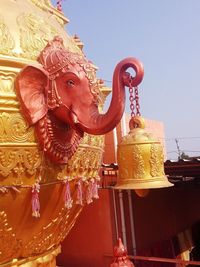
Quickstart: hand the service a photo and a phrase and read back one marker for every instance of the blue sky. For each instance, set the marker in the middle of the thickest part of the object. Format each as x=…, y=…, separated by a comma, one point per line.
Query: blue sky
x=165, y=36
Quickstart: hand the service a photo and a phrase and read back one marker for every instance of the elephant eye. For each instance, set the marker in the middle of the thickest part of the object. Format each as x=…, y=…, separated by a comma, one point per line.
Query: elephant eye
x=70, y=82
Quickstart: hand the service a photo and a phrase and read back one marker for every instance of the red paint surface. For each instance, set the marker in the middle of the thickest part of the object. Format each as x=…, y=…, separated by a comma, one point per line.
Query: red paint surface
x=91, y=239
x=158, y=217
x=164, y=213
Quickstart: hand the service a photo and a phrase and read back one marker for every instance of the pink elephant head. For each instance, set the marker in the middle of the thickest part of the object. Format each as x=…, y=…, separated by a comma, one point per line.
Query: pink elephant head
x=60, y=97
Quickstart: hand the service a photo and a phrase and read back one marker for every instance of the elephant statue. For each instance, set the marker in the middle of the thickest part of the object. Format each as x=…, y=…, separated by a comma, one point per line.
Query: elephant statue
x=59, y=96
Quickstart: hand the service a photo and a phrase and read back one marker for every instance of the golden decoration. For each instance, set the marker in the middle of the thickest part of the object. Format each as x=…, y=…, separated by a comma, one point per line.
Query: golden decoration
x=23, y=236
x=138, y=167
x=9, y=104
x=35, y=33
x=140, y=159
x=19, y=166
x=46, y=239
x=8, y=99
x=44, y=4
x=14, y=129
x=47, y=6
x=45, y=260
x=156, y=161
x=6, y=40
x=86, y=161
x=24, y=33
x=7, y=82
x=9, y=244
x=27, y=31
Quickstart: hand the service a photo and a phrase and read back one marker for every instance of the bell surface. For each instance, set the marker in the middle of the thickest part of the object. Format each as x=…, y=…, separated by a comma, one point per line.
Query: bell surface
x=140, y=159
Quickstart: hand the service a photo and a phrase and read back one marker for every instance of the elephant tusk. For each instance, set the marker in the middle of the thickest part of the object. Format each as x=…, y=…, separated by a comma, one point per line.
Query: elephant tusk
x=74, y=117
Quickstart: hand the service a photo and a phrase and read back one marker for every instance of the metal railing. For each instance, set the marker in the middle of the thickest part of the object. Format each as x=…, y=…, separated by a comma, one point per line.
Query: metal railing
x=180, y=262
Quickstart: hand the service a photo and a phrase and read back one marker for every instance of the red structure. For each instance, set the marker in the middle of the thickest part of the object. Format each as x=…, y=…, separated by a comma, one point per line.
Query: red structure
x=120, y=256
x=153, y=226
x=61, y=98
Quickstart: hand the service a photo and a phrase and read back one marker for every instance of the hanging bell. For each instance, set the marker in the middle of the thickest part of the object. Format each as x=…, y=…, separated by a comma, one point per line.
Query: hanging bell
x=140, y=159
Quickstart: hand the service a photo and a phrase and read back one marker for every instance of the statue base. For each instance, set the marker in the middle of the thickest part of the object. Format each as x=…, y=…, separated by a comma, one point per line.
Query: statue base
x=44, y=260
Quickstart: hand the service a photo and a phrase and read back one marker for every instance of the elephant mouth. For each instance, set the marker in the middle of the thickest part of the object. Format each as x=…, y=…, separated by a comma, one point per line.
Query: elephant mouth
x=74, y=123
x=59, y=139
x=66, y=130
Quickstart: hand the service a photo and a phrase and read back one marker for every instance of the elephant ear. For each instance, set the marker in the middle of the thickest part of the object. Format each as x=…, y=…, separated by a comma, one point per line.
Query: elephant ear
x=31, y=86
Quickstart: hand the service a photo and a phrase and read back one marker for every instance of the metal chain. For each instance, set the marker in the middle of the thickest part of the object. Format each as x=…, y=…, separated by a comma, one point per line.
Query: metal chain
x=131, y=98
x=137, y=102
x=134, y=101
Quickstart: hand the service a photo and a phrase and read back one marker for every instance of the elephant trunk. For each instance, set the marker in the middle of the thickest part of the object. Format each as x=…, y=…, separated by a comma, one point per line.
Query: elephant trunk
x=97, y=123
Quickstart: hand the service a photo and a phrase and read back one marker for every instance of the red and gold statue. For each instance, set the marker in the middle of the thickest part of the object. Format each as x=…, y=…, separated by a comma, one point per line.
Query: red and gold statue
x=60, y=97
x=51, y=128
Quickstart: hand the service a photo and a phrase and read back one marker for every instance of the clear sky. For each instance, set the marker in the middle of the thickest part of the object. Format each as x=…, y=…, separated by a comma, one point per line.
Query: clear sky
x=165, y=36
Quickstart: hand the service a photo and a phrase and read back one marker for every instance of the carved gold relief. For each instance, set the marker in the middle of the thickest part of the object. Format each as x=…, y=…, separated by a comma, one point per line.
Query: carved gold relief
x=156, y=160
x=8, y=99
x=8, y=103
x=9, y=244
x=18, y=166
x=138, y=166
x=23, y=165
x=87, y=159
x=7, y=82
x=124, y=172
x=34, y=34
x=85, y=163
x=45, y=260
x=6, y=40
x=14, y=129
x=52, y=234
x=42, y=3
x=135, y=163
x=47, y=6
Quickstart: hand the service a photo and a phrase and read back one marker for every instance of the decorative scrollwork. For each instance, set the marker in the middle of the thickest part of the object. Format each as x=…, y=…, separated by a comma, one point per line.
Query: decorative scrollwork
x=42, y=3
x=34, y=34
x=138, y=167
x=46, y=5
x=52, y=234
x=18, y=166
x=135, y=167
x=156, y=161
x=7, y=42
x=7, y=82
x=85, y=162
x=21, y=166
x=13, y=128
x=93, y=140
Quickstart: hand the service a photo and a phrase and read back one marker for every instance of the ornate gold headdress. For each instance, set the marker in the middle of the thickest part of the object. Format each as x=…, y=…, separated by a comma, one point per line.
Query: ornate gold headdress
x=56, y=59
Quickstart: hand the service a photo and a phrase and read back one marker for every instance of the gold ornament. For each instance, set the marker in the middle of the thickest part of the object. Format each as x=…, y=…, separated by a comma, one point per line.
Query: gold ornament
x=140, y=159
x=24, y=240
